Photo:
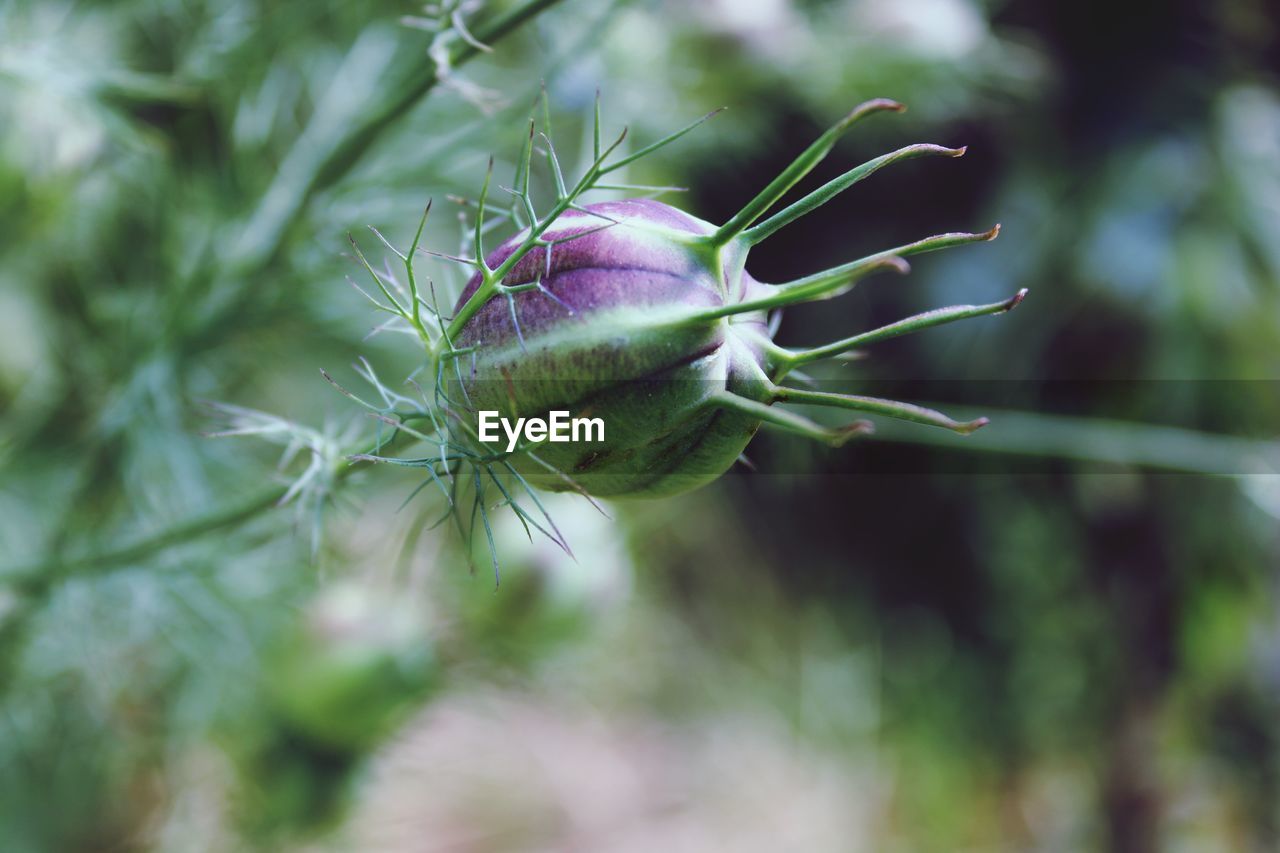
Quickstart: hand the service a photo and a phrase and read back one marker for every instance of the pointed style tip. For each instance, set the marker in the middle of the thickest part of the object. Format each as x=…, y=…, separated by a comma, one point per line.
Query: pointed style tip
x=875, y=105
x=885, y=104
x=992, y=234
x=972, y=426
x=895, y=263
x=930, y=148
x=1016, y=299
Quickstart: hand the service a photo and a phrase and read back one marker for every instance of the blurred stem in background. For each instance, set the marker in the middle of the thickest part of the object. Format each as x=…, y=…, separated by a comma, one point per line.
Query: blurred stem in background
x=331, y=145
x=1128, y=445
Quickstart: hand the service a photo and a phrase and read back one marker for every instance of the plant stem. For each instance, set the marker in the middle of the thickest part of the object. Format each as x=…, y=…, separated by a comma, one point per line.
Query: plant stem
x=327, y=160
x=39, y=576
x=786, y=360
x=492, y=280
x=878, y=406
x=321, y=157
x=831, y=189
x=1106, y=442
x=799, y=167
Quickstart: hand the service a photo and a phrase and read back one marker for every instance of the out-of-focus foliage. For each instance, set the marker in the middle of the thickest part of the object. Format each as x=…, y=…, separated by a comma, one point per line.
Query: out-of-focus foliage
x=976, y=650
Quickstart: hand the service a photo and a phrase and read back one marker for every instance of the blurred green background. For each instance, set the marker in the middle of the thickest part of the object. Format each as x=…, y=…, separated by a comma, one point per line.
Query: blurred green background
x=1059, y=634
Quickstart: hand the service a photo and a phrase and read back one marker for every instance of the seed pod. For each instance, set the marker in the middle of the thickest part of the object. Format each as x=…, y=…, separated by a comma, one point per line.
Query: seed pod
x=612, y=334
x=643, y=316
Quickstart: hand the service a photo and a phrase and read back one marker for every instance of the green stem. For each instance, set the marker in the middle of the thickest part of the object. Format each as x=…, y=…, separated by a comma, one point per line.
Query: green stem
x=320, y=158
x=311, y=167
x=837, y=280
x=833, y=188
x=799, y=167
x=37, y=577
x=788, y=420
x=834, y=281
x=788, y=359
x=877, y=406
x=1109, y=442
x=823, y=285
x=492, y=280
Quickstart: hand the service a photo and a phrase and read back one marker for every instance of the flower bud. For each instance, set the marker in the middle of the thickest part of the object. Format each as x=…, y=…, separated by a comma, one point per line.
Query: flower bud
x=640, y=319
x=612, y=332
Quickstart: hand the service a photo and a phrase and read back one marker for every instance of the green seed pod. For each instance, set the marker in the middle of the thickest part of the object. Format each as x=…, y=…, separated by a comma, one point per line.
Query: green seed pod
x=642, y=319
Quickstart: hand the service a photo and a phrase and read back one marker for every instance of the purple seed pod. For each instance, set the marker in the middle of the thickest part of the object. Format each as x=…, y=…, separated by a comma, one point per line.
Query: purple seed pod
x=643, y=318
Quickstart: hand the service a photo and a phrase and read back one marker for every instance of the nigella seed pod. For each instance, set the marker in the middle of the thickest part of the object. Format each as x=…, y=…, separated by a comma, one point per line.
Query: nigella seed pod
x=610, y=333
x=643, y=316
